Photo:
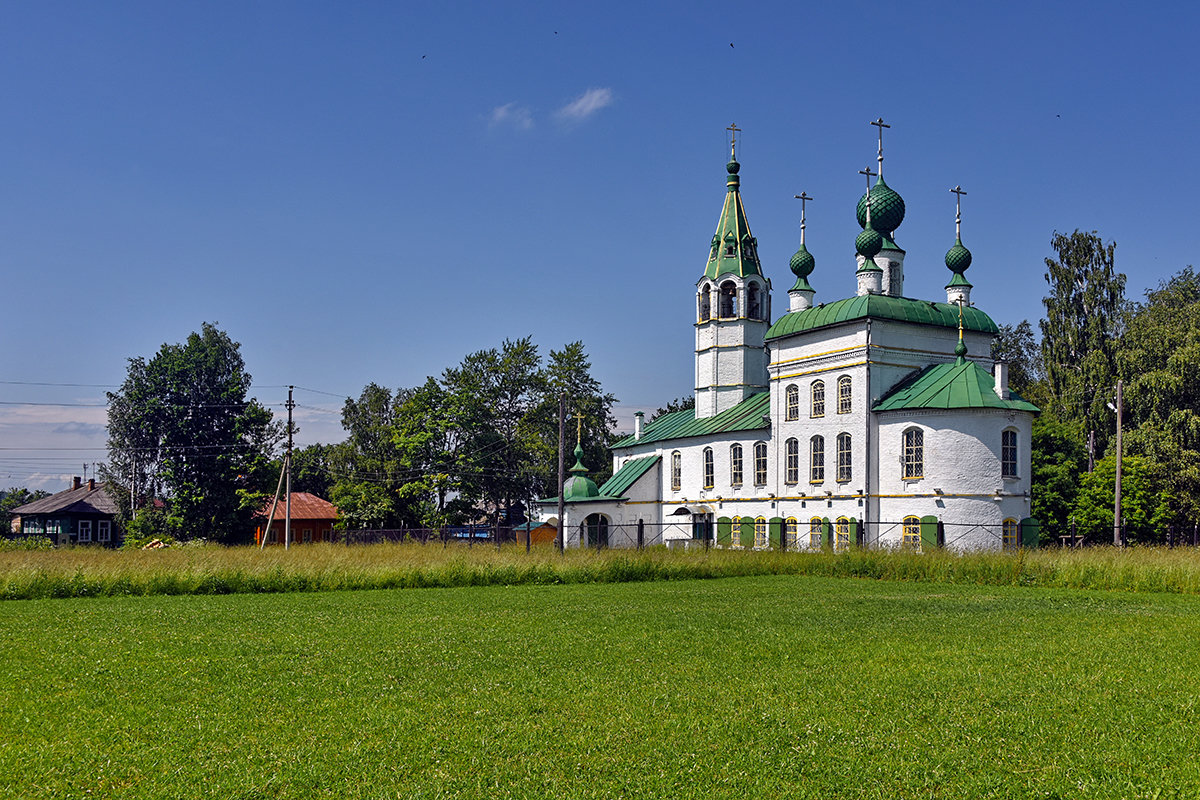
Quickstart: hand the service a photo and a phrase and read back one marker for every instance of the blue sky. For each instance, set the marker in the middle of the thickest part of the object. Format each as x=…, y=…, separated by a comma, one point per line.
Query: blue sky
x=369, y=191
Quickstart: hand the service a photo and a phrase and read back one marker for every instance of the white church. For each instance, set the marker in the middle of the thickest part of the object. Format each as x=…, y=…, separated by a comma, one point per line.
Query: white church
x=874, y=420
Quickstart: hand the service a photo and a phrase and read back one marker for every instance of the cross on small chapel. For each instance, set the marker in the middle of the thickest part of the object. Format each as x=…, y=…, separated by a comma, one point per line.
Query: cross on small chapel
x=733, y=132
x=958, y=191
x=879, y=123
x=803, y=198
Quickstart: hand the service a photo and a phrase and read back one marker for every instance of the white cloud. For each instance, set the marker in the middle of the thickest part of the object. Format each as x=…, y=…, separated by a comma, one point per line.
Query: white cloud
x=586, y=104
x=511, y=115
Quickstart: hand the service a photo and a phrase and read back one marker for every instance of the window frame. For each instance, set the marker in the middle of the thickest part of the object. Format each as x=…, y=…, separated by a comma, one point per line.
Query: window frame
x=845, y=457
x=816, y=533
x=816, y=459
x=841, y=533
x=910, y=533
x=104, y=531
x=845, y=399
x=1010, y=534
x=1008, y=453
x=710, y=472
x=761, y=538
x=912, y=454
x=816, y=396
x=735, y=532
x=760, y=463
x=791, y=403
x=676, y=471
x=736, y=465
x=791, y=533
x=791, y=469
x=83, y=531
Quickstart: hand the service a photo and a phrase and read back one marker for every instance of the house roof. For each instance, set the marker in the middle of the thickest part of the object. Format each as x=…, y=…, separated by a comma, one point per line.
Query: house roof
x=880, y=306
x=304, y=506
x=72, y=501
x=749, y=415
x=962, y=384
x=627, y=475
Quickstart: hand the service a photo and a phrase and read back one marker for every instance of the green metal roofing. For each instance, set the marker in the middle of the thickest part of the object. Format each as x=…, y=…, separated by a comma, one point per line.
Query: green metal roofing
x=627, y=475
x=962, y=384
x=734, y=250
x=748, y=415
x=880, y=306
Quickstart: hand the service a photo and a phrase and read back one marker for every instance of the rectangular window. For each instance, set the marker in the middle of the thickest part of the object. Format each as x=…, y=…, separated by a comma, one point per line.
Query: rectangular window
x=760, y=532
x=791, y=533
x=818, y=399
x=325, y=535
x=843, y=454
x=817, y=460
x=104, y=531
x=307, y=536
x=843, y=533
x=914, y=454
x=676, y=471
x=709, y=471
x=792, y=396
x=85, y=530
x=735, y=465
x=844, y=395
x=815, y=529
x=760, y=464
x=1008, y=454
x=792, y=464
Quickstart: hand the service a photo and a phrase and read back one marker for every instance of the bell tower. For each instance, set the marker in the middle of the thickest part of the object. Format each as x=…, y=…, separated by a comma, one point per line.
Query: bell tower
x=733, y=307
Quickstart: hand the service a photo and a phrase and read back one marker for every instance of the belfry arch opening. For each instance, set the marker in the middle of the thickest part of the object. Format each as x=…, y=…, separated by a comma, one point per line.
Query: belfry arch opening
x=728, y=300
x=705, y=300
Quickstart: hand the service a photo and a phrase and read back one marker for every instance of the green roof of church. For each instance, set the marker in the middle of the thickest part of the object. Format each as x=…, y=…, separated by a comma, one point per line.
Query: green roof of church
x=961, y=384
x=627, y=475
x=749, y=415
x=880, y=306
x=733, y=231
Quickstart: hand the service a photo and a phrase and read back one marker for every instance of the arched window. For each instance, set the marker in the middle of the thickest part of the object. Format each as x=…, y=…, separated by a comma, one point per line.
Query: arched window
x=735, y=535
x=914, y=454
x=1008, y=454
x=1011, y=534
x=676, y=471
x=791, y=533
x=843, y=450
x=727, y=300
x=815, y=529
x=844, y=394
x=818, y=399
x=843, y=533
x=753, y=302
x=708, y=468
x=816, y=459
x=791, y=472
x=760, y=532
x=705, y=302
x=911, y=536
x=760, y=463
x=735, y=465
x=791, y=403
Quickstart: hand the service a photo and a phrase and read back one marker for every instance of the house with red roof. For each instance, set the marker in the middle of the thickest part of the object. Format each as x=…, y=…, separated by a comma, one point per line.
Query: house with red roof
x=312, y=520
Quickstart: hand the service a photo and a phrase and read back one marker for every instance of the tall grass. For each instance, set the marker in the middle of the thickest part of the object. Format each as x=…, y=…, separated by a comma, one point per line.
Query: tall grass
x=84, y=572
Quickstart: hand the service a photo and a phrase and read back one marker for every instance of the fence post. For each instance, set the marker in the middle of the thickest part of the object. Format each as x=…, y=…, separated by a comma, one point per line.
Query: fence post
x=941, y=534
x=641, y=542
x=1071, y=528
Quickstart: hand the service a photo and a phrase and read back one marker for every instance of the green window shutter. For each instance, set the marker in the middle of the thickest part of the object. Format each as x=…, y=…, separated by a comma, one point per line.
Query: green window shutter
x=1030, y=532
x=747, y=532
x=724, y=526
x=856, y=533
x=929, y=532
x=826, y=533
x=775, y=531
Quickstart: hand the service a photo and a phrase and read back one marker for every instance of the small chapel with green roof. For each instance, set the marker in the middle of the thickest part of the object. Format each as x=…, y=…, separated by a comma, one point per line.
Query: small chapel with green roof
x=873, y=419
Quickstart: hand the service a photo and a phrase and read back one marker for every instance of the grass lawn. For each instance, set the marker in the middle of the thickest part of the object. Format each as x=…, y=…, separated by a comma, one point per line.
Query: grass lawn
x=775, y=686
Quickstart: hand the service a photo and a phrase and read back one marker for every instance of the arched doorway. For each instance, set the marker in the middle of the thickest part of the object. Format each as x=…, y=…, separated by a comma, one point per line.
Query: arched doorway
x=594, y=531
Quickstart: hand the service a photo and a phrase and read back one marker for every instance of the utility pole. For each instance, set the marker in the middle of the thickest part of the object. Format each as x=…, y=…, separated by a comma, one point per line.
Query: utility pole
x=132, y=490
x=1091, y=451
x=287, y=465
x=1118, y=539
x=561, y=539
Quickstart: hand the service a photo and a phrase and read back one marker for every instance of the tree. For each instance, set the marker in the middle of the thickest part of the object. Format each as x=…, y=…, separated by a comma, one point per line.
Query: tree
x=367, y=464
x=1159, y=361
x=1084, y=314
x=569, y=371
x=1144, y=512
x=678, y=404
x=1057, y=461
x=1016, y=346
x=182, y=429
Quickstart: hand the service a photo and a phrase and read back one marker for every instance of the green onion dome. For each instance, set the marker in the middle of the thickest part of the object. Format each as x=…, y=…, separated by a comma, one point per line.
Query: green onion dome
x=958, y=258
x=869, y=243
x=732, y=167
x=960, y=349
x=579, y=486
x=803, y=263
x=887, y=209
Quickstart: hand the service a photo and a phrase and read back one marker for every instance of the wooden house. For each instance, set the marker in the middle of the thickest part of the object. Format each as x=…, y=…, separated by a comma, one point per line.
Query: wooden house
x=312, y=520
x=83, y=514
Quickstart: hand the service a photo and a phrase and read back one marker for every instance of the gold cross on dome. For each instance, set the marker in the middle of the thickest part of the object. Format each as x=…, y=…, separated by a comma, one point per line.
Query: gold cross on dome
x=879, y=123
x=958, y=191
x=803, y=198
x=733, y=132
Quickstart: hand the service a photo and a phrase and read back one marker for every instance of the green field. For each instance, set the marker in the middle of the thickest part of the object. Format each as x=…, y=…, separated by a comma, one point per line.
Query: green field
x=775, y=686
